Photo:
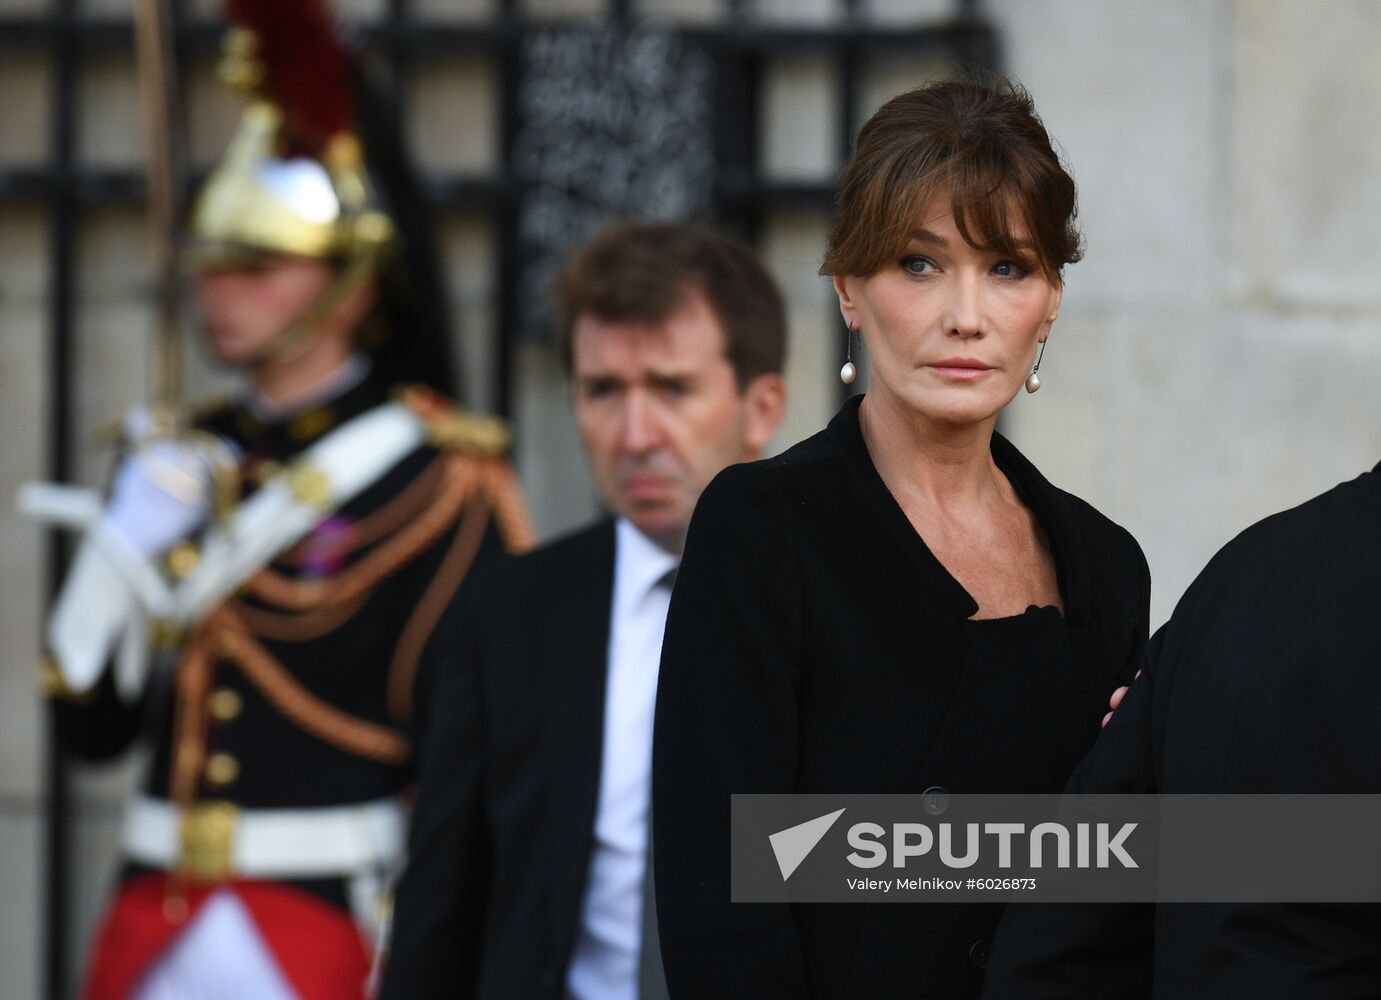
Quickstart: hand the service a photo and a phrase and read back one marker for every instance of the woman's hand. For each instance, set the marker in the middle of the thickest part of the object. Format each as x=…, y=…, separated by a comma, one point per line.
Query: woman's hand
x=1117, y=697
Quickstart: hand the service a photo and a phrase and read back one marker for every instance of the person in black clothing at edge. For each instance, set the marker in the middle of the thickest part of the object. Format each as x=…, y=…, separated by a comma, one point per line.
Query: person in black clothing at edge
x=297, y=546
x=527, y=867
x=902, y=602
x=1261, y=682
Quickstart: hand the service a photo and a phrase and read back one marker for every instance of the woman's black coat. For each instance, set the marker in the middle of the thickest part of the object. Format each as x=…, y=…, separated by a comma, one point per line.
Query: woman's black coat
x=815, y=644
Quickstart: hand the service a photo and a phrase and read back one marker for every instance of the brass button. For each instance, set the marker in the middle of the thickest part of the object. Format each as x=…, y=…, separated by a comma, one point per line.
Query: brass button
x=182, y=559
x=226, y=705
x=166, y=635
x=310, y=486
x=222, y=769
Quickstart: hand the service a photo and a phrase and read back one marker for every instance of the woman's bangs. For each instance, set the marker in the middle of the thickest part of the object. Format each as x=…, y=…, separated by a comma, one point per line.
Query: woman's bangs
x=989, y=211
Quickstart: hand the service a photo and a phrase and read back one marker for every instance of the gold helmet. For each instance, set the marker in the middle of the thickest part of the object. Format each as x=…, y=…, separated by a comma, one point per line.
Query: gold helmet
x=272, y=192
x=318, y=169
x=257, y=200
x=293, y=180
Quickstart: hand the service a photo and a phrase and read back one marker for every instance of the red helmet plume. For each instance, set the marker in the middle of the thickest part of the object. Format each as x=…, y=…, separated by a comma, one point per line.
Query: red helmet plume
x=305, y=67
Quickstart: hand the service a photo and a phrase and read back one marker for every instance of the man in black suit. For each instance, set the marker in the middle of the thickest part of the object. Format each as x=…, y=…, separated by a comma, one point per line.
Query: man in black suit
x=1264, y=680
x=528, y=872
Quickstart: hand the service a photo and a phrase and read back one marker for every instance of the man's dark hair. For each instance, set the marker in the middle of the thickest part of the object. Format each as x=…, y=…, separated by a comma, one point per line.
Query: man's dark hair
x=643, y=273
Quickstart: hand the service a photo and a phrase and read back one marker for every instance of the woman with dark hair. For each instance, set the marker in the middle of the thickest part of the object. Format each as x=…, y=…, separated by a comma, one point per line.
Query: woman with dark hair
x=901, y=603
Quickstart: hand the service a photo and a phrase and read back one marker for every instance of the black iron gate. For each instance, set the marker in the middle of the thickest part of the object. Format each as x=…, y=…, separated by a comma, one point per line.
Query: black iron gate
x=727, y=56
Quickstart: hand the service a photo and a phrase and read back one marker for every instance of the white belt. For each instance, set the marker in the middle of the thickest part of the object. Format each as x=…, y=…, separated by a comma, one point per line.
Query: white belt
x=219, y=840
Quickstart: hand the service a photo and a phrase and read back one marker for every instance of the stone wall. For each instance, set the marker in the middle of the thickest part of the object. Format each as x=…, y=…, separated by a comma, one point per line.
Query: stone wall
x=1216, y=359
x=1218, y=355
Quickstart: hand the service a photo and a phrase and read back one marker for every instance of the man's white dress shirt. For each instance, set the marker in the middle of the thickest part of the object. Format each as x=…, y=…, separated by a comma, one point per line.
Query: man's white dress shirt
x=604, y=965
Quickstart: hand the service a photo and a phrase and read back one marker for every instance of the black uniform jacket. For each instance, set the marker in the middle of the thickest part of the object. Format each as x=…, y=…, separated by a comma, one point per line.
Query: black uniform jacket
x=313, y=707
x=814, y=644
x=1265, y=679
x=509, y=781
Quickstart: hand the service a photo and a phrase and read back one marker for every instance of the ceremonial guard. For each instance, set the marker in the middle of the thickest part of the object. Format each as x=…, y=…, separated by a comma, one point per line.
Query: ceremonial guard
x=256, y=593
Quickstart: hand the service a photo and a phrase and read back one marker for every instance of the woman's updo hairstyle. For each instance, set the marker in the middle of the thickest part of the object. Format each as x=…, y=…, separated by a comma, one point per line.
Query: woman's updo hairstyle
x=982, y=142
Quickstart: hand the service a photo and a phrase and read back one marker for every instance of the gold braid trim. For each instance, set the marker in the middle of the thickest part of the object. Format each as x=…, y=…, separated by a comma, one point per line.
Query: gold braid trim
x=510, y=508
x=397, y=511
x=426, y=528
x=503, y=500
x=295, y=703
x=298, y=628
x=433, y=502
x=402, y=671
x=193, y=678
x=331, y=614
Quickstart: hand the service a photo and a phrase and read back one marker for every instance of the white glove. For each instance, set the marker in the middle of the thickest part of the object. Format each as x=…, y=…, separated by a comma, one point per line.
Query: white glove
x=165, y=492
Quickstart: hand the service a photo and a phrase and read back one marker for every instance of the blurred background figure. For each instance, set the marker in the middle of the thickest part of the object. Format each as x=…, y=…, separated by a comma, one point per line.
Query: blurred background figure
x=528, y=871
x=297, y=547
x=1218, y=353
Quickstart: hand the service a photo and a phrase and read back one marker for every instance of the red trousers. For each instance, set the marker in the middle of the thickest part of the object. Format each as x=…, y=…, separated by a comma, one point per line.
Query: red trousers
x=318, y=947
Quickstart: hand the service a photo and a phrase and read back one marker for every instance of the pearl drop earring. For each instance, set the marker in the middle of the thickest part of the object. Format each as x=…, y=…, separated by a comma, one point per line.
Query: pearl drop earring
x=1033, y=381
x=849, y=372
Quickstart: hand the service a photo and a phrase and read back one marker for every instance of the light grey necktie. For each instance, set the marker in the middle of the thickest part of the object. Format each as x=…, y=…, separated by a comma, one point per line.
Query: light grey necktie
x=652, y=981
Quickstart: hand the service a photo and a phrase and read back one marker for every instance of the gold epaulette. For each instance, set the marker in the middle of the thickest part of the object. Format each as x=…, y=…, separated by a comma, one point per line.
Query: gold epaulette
x=448, y=426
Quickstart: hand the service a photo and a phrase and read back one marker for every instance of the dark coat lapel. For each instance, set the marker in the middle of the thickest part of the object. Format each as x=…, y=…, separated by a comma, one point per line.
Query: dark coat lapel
x=940, y=656
x=1051, y=506
x=575, y=653
x=947, y=640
